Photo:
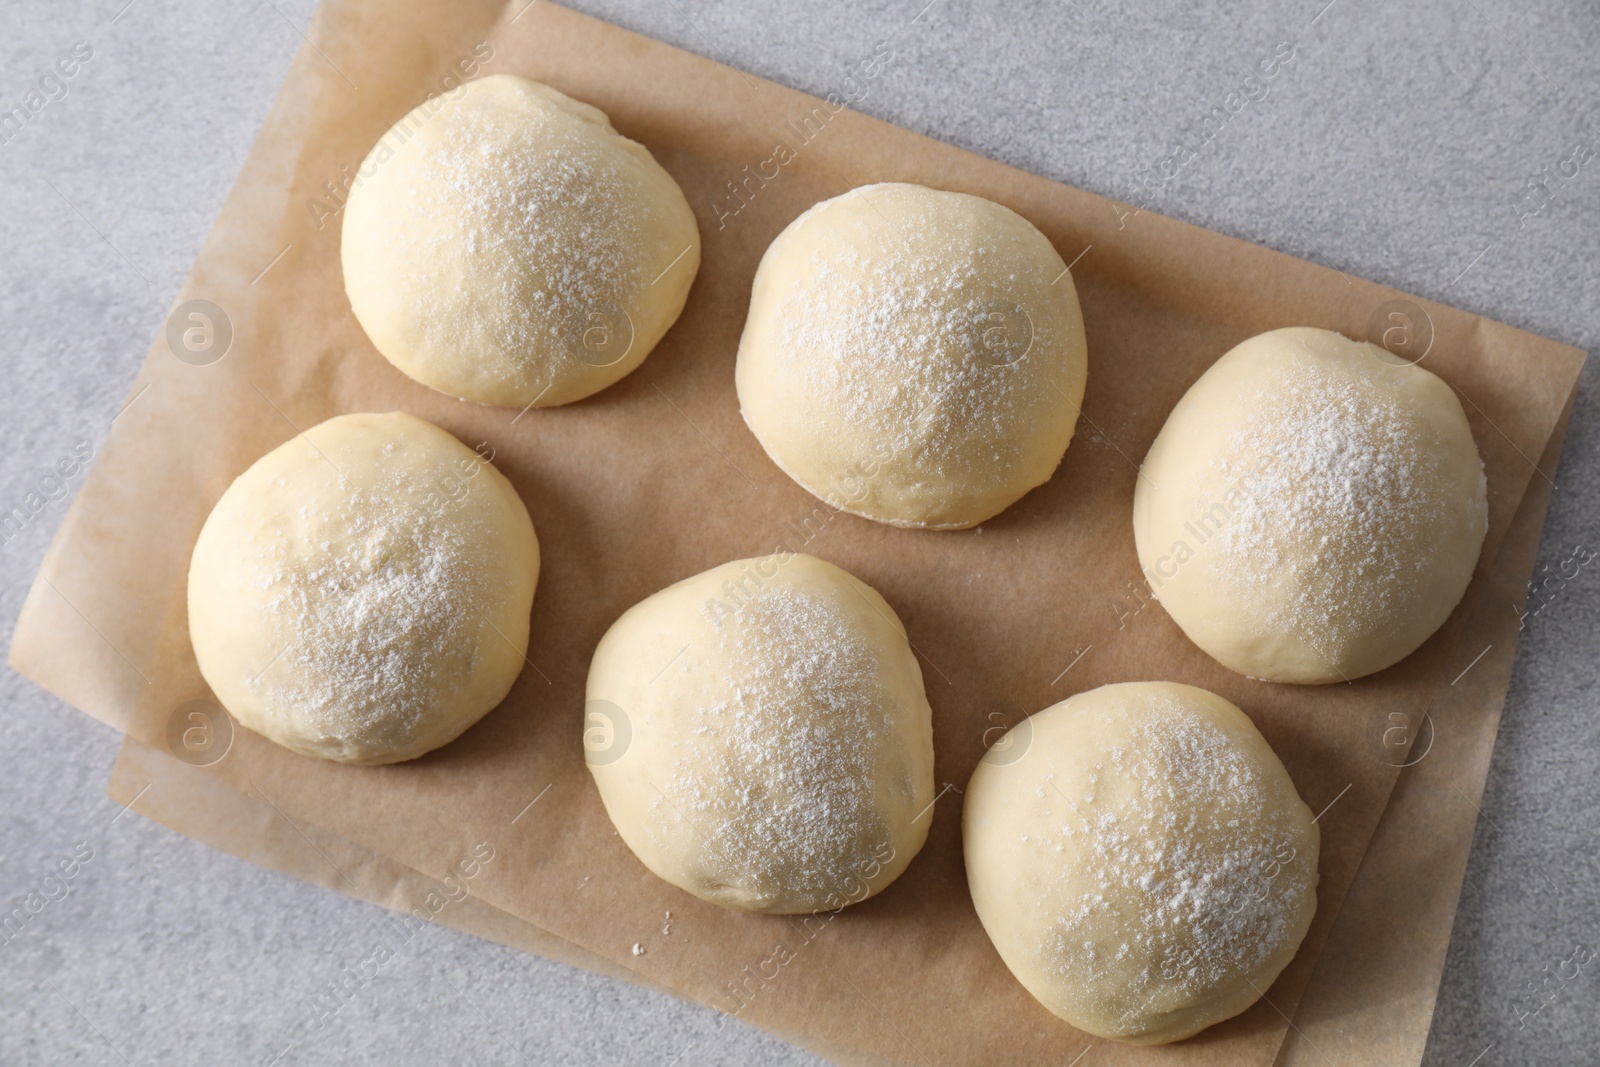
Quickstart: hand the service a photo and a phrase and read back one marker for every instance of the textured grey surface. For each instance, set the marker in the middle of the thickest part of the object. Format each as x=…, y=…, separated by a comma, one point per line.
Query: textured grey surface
x=1397, y=145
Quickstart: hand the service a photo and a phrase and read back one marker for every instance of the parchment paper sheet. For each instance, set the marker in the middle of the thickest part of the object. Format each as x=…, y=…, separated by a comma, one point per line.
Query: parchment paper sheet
x=1370, y=998
x=657, y=478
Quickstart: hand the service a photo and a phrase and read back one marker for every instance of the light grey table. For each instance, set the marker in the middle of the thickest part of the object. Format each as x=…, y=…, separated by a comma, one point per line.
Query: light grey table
x=1398, y=144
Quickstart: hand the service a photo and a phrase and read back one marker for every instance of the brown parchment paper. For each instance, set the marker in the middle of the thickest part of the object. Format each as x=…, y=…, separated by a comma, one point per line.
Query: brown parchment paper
x=1370, y=998
x=656, y=479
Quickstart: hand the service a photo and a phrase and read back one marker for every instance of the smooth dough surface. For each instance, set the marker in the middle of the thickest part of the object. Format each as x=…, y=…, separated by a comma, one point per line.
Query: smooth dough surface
x=362, y=592
x=504, y=244
x=1313, y=509
x=913, y=356
x=1140, y=859
x=760, y=736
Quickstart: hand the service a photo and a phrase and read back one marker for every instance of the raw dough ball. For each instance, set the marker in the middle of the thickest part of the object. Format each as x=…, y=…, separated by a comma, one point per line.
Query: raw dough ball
x=760, y=736
x=913, y=356
x=1313, y=509
x=504, y=244
x=362, y=592
x=1140, y=859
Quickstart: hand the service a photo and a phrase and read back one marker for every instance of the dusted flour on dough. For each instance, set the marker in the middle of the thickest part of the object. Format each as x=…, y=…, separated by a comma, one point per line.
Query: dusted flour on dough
x=913, y=356
x=373, y=612
x=1359, y=481
x=1313, y=508
x=1188, y=846
x=550, y=209
x=362, y=592
x=1145, y=866
x=879, y=347
x=779, y=752
x=790, y=784
x=505, y=244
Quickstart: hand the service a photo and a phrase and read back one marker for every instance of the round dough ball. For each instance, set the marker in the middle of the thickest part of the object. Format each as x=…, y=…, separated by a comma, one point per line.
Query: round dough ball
x=913, y=356
x=1313, y=509
x=1140, y=859
x=504, y=244
x=362, y=592
x=760, y=736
